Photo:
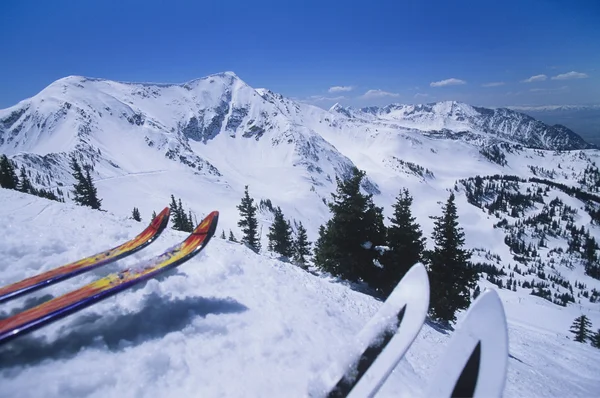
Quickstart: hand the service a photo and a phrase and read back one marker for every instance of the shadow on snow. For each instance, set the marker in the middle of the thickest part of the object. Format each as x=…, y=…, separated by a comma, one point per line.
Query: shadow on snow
x=158, y=317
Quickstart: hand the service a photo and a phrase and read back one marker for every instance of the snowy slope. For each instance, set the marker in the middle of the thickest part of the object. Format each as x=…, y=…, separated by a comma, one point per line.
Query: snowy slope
x=229, y=323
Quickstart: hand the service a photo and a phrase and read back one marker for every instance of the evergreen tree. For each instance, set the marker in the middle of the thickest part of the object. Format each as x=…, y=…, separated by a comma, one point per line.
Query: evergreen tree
x=80, y=189
x=223, y=234
x=280, y=235
x=405, y=241
x=175, y=215
x=24, y=182
x=581, y=328
x=136, y=214
x=93, y=200
x=191, y=220
x=153, y=214
x=232, y=237
x=84, y=191
x=476, y=292
x=248, y=222
x=8, y=176
x=450, y=273
x=301, y=246
x=346, y=244
x=186, y=222
x=595, y=339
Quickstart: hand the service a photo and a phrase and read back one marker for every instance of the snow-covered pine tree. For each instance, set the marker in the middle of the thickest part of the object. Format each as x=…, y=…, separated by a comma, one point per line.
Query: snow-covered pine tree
x=248, y=222
x=8, y=176
x=405, y=241
x=450, y=273
x=153, y=214
x=301, y=246
x=135, y=214
x=280, y=235
x=223, y=234
x=232, y=237
x=581, y=328
x=346, y=244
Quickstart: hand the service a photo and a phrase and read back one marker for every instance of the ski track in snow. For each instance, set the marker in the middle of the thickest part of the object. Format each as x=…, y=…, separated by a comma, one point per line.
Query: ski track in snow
x=228, y=323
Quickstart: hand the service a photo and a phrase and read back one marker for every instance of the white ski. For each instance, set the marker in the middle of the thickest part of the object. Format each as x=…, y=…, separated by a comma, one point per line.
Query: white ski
x=475, y=361
x=381, y=344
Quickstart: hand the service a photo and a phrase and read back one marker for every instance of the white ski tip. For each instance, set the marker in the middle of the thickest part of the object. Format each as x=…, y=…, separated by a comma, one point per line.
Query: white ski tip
x=409, y=302
x=484, y=324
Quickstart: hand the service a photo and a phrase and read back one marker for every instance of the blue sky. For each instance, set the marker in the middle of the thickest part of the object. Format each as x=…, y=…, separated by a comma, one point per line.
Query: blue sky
x=374, y=52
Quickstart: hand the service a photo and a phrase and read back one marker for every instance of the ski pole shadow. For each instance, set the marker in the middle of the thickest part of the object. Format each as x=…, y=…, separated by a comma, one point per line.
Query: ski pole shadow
x=157, y=317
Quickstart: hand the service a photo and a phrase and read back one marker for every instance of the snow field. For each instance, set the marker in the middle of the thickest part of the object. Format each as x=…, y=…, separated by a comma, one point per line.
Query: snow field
x=228, y=323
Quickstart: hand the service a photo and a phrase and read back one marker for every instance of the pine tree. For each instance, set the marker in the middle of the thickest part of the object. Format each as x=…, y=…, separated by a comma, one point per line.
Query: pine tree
x=595, y=339
x=476, y=292
x=280, y=235
x=136, y=214
x=24, y=182
x=581, y=328
x=223, y=234
x=84, y=191
x=80, y=189
x=232, y=237
x=8, y=176
x=153, y=214
x=346, y=244
x=405, y=241
x=185, y=221
x=93, y=200
x=191, y=220
x=175, y=214
x=301, y=246
x=248, y=222
x=450, y=273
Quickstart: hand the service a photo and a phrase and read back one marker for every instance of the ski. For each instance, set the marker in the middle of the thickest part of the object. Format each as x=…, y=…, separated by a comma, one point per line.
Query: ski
x=476, y=359
x=110, y=285
x=67, y=271
x=382, y=343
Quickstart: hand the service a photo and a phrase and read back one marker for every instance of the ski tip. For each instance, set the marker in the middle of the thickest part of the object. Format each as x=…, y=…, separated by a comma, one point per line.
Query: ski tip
x=208, y=226
x=476, y=357
x=418, y=271
x=161, y=220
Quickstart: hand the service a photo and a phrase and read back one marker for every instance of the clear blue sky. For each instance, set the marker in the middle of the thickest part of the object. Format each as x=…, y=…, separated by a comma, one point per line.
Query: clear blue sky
x=379, y=51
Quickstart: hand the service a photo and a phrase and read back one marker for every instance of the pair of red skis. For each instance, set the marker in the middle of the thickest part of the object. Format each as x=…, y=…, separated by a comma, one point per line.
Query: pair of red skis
x=59, y=307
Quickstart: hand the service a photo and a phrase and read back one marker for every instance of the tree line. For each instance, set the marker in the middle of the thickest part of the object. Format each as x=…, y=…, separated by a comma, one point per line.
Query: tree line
x=355, y=245
x=22, y=183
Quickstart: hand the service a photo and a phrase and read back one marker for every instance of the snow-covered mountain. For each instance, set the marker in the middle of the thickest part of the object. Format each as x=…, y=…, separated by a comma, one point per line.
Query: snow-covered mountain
x=205, y=140
x=455, y=119
x=585, y=119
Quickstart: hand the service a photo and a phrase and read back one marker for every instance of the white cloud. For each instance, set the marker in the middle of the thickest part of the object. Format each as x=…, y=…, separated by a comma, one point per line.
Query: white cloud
x=493, y=84
x=570, y=75
x=448, y=82
x=339, y=89
x=536, y=78
x=378, y=94
x=548, y=90
x=421, y=95
x=321, y=98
